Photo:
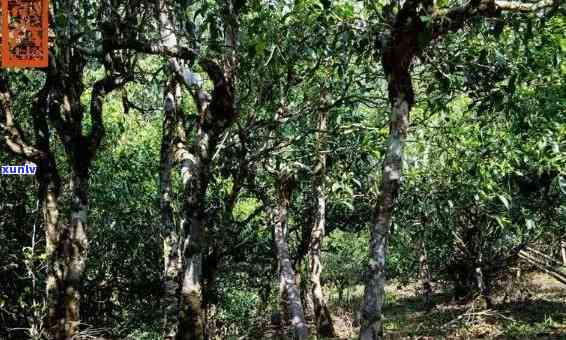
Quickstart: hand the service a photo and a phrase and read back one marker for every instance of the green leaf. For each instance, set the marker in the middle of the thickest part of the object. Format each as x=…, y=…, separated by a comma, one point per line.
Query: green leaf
x=347, y=10
x=562, y=184
x=499, y=220
x=260, y=47
x=335, y=187
x=504, y=200
x=348, y=205
x=530, y=224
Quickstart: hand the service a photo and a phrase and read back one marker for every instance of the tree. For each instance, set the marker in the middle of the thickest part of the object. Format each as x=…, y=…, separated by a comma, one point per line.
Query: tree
x=322, y=315
x=289, y=290
x=240, y=141
x=415, y=25
x=67, y=241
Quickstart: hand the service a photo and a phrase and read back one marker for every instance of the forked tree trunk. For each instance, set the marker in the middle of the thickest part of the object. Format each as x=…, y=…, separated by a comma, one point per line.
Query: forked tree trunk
x=322, y=316
x=396, y=61
x=408, y=35
x=69, y=243
x=196, y=170
x=48, y=193
x=287, y=285
x=216, y=113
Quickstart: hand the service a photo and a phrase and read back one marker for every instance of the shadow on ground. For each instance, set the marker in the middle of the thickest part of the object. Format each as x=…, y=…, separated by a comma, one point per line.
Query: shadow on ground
x=537, y=318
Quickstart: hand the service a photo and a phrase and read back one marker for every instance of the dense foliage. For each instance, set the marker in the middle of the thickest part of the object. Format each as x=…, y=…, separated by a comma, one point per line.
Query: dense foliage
x=222, y=149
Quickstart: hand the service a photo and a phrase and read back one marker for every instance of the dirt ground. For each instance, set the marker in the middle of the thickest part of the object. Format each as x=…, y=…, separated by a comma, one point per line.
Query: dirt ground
x=533, y=309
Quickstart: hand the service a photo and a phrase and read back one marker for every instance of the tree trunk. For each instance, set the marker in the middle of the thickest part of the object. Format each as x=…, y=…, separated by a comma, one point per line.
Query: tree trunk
x=66, y=245
x=307, y=299
x=563, y=252
x=171, y=268
x=75, y=249
x=407, y=36
x=482, y=281
x=216, y=114
x=288, y=287
x=171, y=236
x=60, y=101
x=322, y=315
x=69, y=243
x=374, y=293
x=483, y=287
x=66, y=250
x=191, y=317
x=49, y=192
x=396, y=61
x=425, y=275
x=283, y=301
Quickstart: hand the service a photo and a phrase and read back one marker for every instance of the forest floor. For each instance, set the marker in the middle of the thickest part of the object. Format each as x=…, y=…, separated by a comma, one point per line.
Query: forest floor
x=533, y=309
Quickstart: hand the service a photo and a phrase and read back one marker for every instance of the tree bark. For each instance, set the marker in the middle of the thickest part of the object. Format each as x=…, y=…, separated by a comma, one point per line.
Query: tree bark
x=482, y=286
x=75, y=248
x=408, y=34
x=64, y=256
x=171, y=258
x=288, y=287
x=563, y=252
x=323, y=319
x=306, y=298
x=191, y=316
x=374, y=293
x=216, y=115
x=396, y=61
x=69, y=243
x=169, y=229
x=49, y=190
x=425, y=275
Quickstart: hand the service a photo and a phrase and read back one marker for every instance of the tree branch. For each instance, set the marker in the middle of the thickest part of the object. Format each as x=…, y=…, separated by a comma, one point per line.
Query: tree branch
x=154, y=48
x=525, y=7
x=11, y=134
x=450, y=20
x=99, y=90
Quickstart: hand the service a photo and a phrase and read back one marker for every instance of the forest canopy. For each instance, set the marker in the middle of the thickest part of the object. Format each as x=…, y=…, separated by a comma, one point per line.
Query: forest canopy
x=260, y=169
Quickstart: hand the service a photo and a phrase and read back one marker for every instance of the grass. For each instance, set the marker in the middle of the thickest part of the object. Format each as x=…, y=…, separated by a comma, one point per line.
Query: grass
x=536, y=311
x=542, y=315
